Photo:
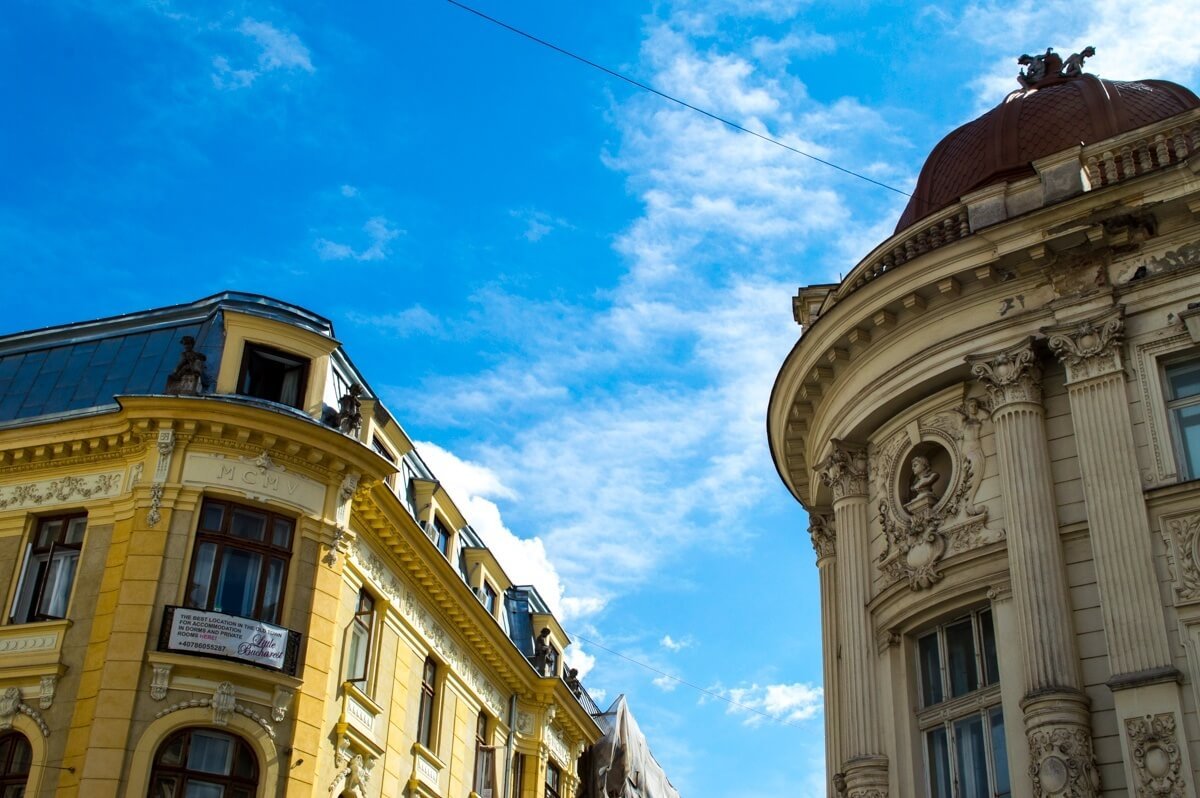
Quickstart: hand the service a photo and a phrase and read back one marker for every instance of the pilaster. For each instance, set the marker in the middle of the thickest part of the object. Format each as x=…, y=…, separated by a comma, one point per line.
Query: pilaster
x=1144, y=681
x=844, y=471
x=1055, y=710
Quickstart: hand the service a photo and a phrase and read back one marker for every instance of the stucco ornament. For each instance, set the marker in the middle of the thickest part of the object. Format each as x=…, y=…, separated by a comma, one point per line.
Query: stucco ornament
x=11, y=705
x=1010, y=376
x=1062, y=763
x=1090, y=348
x=224, y=702
x=354, y=778
x=820, y=530
x=1182, y=535
x=844, y=471
x=1156, y=759
x=926, y=490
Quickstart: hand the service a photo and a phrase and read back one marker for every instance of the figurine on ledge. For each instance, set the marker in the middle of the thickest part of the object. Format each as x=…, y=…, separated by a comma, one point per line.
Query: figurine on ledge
x=1050, y=66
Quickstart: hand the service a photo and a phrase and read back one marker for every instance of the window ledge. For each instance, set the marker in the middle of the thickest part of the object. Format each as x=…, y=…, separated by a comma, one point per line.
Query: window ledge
x=32, y=648
x=190, y=672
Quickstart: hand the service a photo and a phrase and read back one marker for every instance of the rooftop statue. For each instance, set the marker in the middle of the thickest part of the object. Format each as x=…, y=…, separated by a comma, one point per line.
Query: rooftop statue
x=188, y=377
x=1050, y=65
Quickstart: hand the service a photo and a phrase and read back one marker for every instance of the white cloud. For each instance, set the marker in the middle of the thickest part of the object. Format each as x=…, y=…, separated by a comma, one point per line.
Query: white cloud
x=790, y=703
x=380, y=234
x=665, y=683
x=277, y=50
x=349, y=190
x=415, y=320
x=538, y=224
x=473, y=488
x=671, y=644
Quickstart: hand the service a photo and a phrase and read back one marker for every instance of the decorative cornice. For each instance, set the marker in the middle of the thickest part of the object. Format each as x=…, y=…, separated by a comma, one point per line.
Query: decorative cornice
x=844, y=471
x=1089, y=348
x=820, y=530
x=1011, y=375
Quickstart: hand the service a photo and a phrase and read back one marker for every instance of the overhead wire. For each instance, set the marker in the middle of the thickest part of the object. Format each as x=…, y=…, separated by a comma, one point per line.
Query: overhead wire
x=685, y=683
x=645, y=87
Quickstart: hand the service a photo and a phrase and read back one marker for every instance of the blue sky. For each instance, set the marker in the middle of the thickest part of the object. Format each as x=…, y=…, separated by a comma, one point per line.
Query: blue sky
x=575, y=294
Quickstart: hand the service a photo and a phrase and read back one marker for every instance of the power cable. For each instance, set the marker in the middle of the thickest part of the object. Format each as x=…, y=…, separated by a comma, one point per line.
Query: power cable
x=668, y=97
x=706, y=691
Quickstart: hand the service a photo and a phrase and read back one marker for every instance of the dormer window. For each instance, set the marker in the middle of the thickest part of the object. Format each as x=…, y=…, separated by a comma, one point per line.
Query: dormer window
x=273, y=375
x=489, y=598
x=441, y=537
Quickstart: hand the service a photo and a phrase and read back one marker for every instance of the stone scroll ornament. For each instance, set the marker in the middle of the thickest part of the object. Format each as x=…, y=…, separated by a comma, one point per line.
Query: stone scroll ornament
x=1157, y=763
x=921, y=526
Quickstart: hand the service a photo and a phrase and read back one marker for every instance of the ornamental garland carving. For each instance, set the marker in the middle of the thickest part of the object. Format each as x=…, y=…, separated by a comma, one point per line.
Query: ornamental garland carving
x=820, y=529
x=1062, y=763
x=1010, y=376
x=1090, y=348
x=1182, y=536
x=11, y=705
x=422, y=620
x=927, y=515
x=844, y=471
x=60, y=491
x=1157, y=763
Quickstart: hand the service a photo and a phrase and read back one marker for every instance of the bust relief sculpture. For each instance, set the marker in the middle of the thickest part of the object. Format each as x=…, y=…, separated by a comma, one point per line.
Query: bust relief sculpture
x=923, y=479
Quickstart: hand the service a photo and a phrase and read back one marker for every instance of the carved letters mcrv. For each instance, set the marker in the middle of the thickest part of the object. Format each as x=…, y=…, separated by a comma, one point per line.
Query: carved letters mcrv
x=1157, y=763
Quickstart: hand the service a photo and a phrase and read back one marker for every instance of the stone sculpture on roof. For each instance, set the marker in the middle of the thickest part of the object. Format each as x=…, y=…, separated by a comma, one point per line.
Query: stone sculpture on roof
x=1050, y=65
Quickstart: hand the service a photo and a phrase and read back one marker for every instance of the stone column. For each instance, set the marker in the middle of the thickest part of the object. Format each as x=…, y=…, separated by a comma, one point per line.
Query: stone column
x=1056, y=711
x=821, y=530
x=864, y=766
x=1144, y=680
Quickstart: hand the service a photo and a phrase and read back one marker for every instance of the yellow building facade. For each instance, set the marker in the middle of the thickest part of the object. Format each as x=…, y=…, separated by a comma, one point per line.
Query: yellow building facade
x=238, y=578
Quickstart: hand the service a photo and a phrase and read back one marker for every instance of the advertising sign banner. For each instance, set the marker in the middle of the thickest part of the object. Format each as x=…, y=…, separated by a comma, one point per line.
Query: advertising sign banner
x=215, y=634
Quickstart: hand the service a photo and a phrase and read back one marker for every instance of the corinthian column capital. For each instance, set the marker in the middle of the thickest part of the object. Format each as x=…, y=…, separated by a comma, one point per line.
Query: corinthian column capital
x=820, y=529
x=844, y=471
x=1089, y=348
x=1011, y=375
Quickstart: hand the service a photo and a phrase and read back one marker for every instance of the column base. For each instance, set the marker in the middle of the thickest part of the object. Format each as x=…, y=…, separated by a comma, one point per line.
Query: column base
x=866, y=777
x=1150, y=721
x=1058, y=729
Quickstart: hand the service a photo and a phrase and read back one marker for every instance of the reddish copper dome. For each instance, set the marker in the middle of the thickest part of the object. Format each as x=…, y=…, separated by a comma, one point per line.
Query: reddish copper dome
x=1033, y=123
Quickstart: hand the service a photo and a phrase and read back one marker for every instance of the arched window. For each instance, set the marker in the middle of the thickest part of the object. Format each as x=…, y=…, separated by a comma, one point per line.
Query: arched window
x=203, y=763
x=15, y=757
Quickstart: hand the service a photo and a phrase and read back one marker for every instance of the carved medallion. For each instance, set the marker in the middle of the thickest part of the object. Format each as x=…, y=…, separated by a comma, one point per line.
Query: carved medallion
x=926, y=490
x=1062, y=763
x=1157, y=763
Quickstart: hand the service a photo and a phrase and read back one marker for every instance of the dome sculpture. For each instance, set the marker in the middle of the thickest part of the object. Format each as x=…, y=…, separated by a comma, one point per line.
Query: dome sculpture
x=1057, y=107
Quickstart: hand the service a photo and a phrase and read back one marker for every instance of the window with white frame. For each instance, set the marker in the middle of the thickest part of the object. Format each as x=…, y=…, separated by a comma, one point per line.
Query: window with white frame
x=961, y=722
x=358, y=646
x=1183, y=408
x=428, y=704
x=51, y=559
x=484, y=783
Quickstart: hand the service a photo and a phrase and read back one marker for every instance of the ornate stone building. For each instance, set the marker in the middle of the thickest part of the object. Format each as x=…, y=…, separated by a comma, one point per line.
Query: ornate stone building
x=994, y=424
x=226, y=572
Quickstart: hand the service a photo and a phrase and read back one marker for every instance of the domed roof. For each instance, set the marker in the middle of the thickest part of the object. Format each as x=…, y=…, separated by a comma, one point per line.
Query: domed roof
x=1056, y=113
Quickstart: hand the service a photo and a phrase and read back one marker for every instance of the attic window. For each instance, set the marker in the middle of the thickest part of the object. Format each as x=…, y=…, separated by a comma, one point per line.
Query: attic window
x=273, y=375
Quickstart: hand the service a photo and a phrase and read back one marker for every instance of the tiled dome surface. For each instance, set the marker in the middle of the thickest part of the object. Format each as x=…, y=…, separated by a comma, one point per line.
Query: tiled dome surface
x=1031, y=124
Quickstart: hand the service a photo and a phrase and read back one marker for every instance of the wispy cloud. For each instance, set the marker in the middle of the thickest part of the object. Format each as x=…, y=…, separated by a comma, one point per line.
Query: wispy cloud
x=349, y=190
x=791, y=703
x=380, y=234
x=406, y=323
x=277, y=49
x=671, y=644
x=538, y=224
